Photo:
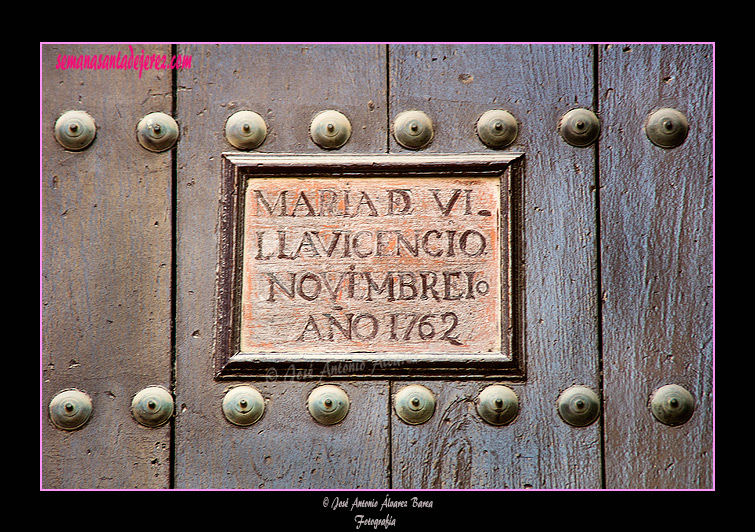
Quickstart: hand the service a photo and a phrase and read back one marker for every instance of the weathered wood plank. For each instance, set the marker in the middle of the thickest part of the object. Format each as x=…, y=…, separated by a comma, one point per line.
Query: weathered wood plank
x=657, y=256
x=287, y=85
x=106, y=272
x=454, y=85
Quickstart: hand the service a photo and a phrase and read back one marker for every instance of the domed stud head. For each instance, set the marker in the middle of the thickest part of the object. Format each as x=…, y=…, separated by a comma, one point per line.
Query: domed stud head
x=152, y=406
x=667, y=128
x=243, y=405
x=578, y=406
x=498, y=405
x=497, y=128
x=70, y=409
x=75, y=130
x=245, y=130
x=328, y=404
x=330, y=129
x=414, y=404
x=672, y=405
x=413, y=129
x=157, y=132
x=579, y=127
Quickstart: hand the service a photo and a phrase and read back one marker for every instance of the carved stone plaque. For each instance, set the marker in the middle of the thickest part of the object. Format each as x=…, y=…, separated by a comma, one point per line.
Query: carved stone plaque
x=369, y=266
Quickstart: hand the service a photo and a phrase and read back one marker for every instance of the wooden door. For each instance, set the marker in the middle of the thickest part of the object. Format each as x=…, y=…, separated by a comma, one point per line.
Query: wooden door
x=106, y=276
x=615, y=264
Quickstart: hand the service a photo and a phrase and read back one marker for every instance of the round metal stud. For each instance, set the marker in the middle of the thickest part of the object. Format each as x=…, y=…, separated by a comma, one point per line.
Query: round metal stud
x=75, y=130
x=579, y=127
x=672, y=405
x=667, y=128
x=578, y=406
x=243, y=405
x=414, y=404
x=245, y=130
x=157, y=132
x=152, y=407
x=413, y=129
x=497, y=128
x=328, y=404
x=498, y=405
x=330, y=129
x=70, y=409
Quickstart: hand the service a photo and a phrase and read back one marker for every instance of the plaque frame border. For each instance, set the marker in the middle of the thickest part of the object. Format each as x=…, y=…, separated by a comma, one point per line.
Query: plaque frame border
x=230, y=363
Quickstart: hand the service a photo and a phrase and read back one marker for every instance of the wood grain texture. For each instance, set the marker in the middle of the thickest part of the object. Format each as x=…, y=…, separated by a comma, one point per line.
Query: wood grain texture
x=657, y=259
x=287, y=85
x=454, y=85
x=106, y=273
x=286, y=449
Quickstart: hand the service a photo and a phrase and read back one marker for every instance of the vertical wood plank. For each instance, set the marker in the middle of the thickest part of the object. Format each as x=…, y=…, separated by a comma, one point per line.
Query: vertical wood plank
x=454, y=85
x=106, y=272
x=287, y=85
x=657, y=253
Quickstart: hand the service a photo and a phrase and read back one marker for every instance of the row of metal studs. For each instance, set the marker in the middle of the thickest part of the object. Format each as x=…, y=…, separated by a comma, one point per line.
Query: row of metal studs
x=246, y=130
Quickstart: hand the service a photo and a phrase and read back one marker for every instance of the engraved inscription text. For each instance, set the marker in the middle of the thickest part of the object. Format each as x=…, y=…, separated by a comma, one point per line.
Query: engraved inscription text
x=388, y=265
